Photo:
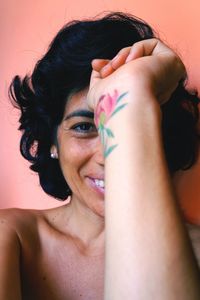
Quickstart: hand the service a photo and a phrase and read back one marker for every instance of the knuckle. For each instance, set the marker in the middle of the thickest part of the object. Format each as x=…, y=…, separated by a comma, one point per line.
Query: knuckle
x=124, y=50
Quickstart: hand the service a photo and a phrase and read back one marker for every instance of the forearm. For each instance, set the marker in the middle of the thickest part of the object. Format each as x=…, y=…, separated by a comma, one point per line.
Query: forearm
x=148, y=253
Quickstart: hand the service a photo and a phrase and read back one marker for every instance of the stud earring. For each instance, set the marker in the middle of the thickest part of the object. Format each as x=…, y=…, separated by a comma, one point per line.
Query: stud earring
x=54, y=155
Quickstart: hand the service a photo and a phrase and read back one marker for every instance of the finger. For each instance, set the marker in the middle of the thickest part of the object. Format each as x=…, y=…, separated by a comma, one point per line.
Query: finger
x=102, y=66
x=106, y=70
x=107, y=67
x=148, y=47
x=135, y=52
x=98, y=64
x=116, y=62
x=94, y=78
x=120, y=58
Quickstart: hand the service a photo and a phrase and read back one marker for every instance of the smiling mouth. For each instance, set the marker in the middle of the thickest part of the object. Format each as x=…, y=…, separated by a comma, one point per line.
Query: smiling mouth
x=97, y=184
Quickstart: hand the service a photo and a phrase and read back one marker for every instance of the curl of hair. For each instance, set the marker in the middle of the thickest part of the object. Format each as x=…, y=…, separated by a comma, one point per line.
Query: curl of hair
x=66, y=68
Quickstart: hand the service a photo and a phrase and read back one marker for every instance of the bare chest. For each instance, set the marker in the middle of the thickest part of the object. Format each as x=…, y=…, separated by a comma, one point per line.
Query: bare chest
x=57, y=271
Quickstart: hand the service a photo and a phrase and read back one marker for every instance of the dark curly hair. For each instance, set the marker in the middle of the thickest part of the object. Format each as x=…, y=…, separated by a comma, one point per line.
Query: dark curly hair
x=66, y=69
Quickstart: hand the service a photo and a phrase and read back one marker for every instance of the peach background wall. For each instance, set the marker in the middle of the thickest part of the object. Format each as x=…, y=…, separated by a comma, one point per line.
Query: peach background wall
x=27, y=27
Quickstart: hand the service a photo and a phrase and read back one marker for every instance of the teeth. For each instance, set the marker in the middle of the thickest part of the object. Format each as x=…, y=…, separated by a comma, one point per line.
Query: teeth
x=99, y=183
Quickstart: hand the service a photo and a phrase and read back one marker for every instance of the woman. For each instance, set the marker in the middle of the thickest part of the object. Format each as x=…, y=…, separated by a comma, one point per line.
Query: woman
x=130, y=241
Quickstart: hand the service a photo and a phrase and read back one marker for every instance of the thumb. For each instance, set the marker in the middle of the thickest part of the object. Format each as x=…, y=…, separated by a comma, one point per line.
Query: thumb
x=94, y=78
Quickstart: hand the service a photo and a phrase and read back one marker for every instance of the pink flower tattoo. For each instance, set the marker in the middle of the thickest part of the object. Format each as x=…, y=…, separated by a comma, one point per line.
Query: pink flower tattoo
x=107, y=107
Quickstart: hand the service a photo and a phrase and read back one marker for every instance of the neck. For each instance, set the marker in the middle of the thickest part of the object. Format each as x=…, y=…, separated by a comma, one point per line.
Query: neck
x=86, y=227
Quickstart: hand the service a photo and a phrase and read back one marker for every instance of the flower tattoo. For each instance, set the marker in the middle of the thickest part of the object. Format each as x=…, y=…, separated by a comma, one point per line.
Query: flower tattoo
x=107, y=107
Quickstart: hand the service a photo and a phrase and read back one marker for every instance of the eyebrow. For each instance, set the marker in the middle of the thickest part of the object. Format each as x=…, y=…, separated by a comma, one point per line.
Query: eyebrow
x=80, y=113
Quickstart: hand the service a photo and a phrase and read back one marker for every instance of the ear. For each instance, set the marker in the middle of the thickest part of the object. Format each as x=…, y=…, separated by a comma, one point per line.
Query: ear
x=54, y=152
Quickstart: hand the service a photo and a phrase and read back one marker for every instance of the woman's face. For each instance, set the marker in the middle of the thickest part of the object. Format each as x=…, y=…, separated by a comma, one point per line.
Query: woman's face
x=81, y=155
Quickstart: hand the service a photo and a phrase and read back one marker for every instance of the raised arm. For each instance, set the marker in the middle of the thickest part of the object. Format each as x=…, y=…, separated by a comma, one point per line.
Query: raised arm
x=9, y=260
x=148, y=252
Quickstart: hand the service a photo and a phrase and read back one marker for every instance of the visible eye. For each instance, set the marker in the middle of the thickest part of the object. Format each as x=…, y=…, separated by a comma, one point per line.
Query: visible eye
x=84, y=128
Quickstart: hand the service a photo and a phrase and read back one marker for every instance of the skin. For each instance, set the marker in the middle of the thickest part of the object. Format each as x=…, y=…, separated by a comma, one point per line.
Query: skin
x=143, y=221
x=73, y=233
x=62, y=249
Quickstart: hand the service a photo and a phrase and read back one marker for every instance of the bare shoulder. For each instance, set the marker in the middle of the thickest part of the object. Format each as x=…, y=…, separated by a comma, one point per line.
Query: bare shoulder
x=10, y=249
x=11, y=215
x=10, y=221
x=194, y=234
x=15, y=218
x=19, y=240
x=8, y=227
x=25, y=222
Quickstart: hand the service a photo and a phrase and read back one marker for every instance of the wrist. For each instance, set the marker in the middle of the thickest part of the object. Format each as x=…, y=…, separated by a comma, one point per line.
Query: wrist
x=119, y=114
x=124, y=80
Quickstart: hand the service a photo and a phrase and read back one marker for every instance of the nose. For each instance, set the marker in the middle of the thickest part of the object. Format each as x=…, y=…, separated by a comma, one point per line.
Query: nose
x=99, y=152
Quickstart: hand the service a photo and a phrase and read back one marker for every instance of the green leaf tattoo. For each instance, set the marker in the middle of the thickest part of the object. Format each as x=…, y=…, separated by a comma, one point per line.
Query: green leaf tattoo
x=118, y=109
x=107, y=107
x=109, y=150
x=109, y=132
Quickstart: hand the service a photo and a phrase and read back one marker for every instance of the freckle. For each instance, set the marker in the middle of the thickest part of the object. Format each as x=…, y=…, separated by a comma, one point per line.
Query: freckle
x=43, y=278
x=2, y=222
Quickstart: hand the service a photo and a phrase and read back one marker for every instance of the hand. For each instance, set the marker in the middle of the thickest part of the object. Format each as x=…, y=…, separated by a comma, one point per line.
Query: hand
x=106, y=67
x=150, y=66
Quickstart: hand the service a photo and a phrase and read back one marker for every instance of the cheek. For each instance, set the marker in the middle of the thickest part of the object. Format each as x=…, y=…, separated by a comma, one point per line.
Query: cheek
x=74, y=153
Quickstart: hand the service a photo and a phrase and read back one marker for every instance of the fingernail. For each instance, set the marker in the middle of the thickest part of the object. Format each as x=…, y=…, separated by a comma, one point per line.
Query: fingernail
x=128, y=58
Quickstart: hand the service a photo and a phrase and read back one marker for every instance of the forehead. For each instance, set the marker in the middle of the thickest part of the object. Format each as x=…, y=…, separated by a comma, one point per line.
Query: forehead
x=77, y=101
